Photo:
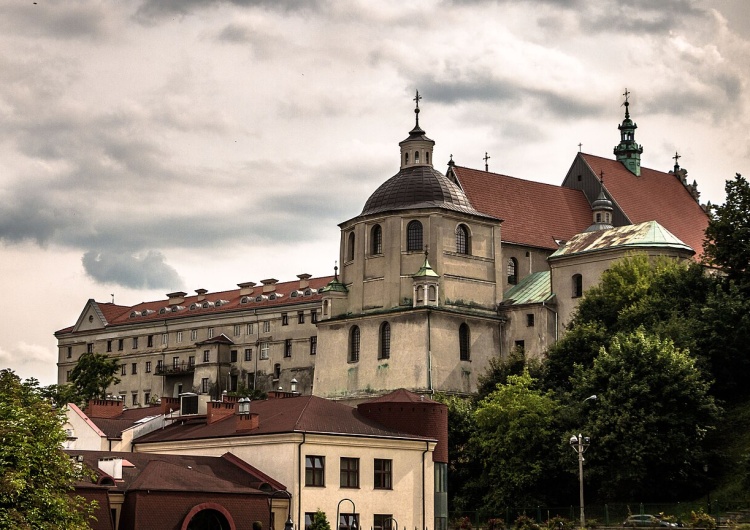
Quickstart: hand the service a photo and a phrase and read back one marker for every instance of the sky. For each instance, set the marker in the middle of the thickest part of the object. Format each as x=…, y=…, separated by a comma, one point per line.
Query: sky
x=149, y=146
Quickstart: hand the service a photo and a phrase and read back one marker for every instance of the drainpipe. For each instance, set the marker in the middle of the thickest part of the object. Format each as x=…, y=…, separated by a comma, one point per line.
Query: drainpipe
x=424, y=486
x=299, y=481
x=429, y=355
x=257, y=350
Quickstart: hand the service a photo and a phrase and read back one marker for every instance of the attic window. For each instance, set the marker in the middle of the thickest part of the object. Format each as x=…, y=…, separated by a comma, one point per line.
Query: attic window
x=162, y=310
x=91, y=318
x=133, y=314
x=218, y=303
x=260, y=298
x=244, y=300
x=274, y=296
x=294, y=294
x=192, y=307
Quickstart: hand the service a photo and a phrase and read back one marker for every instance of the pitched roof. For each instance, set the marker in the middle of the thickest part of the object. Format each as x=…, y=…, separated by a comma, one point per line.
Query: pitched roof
x=653, y=196
x=310, y=414
x=643, y=235
x=287, y=293
x=113, y=427
x=533, y=213
x=533, y=289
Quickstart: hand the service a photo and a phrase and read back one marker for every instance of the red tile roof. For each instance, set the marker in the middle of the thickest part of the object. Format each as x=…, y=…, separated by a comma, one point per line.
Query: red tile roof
x=309, y=414
x=654, y=196
x=113, y=427
x=533, y=213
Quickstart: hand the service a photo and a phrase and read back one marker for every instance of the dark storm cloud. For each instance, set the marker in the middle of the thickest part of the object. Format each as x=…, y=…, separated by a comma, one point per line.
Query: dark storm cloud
x=147, y=271
x=151, y=11
x=62, y=19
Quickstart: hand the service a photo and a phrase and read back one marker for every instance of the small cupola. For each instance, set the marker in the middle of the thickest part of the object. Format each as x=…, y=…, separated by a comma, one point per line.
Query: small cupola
x=426, y=285
x=416, y=150
x=628, y=151
x=601, y=209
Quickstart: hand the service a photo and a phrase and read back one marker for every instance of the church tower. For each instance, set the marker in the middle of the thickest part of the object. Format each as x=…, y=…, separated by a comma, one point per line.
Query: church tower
x=628, y=151
x=394, y=319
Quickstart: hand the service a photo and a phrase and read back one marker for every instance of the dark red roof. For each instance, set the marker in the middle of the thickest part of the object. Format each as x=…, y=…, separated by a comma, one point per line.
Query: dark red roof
x=309, y=414
x=113, y=427
x=533, y=213
x=653, y=196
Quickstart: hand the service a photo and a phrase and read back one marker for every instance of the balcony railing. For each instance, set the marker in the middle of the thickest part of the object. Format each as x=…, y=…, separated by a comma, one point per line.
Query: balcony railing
x=175, y=369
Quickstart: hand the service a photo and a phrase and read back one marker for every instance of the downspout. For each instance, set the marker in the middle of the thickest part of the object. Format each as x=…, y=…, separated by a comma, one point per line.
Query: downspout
x=164, y=360
x=257, y=350
x=544, y=305
x=299, y=481
x=424, y=486
x=429, y=355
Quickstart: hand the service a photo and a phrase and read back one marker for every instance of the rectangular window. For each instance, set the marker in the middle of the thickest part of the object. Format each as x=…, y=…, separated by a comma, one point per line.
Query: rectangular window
x=233, y=356
x=204, y=385
x=276, y=371
x=135, y=343
x=248, y=354
x=164, y=339
x=159, y=366
x=313, y=316
x=313, y=345
x=210, y=333
x=264, y=350
x=309, y=517
x=134, y=368
x=206, y=356
x=284, y=319
x=233, y=383
x=530, y=320
x=150, y=341
x=193, y=334
x=382, y=521
x=90, y=347
x=123, y=369
x=70, y=352
x=383, y=474
x=179, y=336
x=300, y=317
x=191, y=361
x=148, y=367
x=288, y=348
x=120, y=344
x=250, y=329
x=237, y=330
x=147, y=398
x=348, y=521
x=520, y=346
x=175, y=362
x=109, y=346
x=67, y=375
x=315, y=470
x=349, y=472
x=135, y=398
x=267, y=326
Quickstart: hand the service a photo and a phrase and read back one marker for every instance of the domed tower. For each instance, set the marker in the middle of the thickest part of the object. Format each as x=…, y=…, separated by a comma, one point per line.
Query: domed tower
x=601, y=210
x=398, y=323
x=628, y=151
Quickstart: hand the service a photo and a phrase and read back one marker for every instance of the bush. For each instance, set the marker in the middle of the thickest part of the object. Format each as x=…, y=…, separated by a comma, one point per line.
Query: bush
x=462, y=523
x=560, y=523
x=701, y=519
x=495, y=524
x=524, y=522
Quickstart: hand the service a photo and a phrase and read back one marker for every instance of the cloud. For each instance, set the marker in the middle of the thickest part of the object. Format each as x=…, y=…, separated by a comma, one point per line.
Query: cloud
x=144, y=271
x=29, y=360
x=151, y=11
x=67, y=20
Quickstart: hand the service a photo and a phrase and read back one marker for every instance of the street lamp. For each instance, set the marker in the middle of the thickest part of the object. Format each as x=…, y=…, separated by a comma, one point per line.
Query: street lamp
x=289, y=525
x=354, y=515
x=579, y=444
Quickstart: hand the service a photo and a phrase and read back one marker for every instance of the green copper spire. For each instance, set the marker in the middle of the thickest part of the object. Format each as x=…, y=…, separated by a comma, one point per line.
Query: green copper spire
x=426, y=271
x=628, y=151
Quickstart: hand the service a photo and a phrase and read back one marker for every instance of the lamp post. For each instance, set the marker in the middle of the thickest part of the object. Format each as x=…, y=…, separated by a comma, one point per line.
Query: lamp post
x=579, y=444
x=354, y=515
x=289, y=525
x=390, y=519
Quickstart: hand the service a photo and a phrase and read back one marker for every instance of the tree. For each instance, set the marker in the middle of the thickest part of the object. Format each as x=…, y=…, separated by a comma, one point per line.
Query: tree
x=320, y=521
x=727, y=244
x=516, y=434
x=650, y=420
x=36, y=476
x=92, y=375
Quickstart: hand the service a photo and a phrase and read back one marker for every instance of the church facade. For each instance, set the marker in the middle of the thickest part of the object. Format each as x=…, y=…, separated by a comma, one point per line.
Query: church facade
x=440, y=272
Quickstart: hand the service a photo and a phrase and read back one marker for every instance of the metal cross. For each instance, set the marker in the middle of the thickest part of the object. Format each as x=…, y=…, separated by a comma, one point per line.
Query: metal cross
x=580, y=145
x=626, y=94
x=486, y=158
x=601, y=176
x=676, y=158
x=417, y=98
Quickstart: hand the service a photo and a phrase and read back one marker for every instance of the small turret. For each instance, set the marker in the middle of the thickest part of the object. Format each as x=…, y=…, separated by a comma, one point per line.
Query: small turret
x=628, y=151
x=416, y=150
x=601, y=209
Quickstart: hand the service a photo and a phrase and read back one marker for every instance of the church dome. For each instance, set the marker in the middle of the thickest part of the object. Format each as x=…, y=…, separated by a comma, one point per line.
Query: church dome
x=418, y=187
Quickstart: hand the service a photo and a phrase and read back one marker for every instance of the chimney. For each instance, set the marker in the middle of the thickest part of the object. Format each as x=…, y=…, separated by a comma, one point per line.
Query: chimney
x=168, y=404
x=176, y=297
x=201, y=294
x=104, y=408
x=112, y=467
x=247, y=422
x=269, y=285
x=303, y=280
x=218, y=410
x=246, y=288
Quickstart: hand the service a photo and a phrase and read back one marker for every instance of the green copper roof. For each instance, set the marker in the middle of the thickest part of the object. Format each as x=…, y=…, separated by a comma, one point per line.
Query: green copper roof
x=533, y=289
x=334, y=286
x=426, y=271
x=644, y=235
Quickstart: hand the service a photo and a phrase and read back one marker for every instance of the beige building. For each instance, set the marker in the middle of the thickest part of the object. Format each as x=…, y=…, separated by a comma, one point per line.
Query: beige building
x=440, y=272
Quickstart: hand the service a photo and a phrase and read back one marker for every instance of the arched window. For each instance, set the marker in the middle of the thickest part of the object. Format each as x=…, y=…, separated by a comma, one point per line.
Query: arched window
x=416, y=157
x=598, y=217
x=512, y=271
x=420, y=294
x=350, y=247
x=462, y=239
x=354, y=344
x=414, y=236
x=577, y=285
x=406, y=159
x=463, y=342
x=427, y=158
x=432, y=293
x=376, y=240
x=385, y=341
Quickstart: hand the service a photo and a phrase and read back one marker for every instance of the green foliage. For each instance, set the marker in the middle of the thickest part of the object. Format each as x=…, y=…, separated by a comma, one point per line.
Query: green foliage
x=560, y=523
x=701, y=519
x=92, y=375
x=320, y=521
x=499, y=369
x=516, y=434
x=727, y=244
x=36, y=476
x=650, y=420
x=495, y=524
x=524, y=522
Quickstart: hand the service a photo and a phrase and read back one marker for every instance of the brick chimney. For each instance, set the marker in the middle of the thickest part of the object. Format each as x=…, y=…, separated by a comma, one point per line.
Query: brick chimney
x=168, y=404
x=104, y=408
x=218, y=410
x=247, y=422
